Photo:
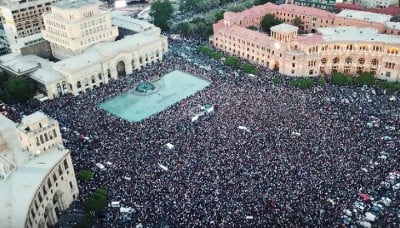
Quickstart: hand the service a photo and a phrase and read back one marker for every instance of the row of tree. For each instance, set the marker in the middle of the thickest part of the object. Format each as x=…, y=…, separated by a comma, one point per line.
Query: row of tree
x=231, y=61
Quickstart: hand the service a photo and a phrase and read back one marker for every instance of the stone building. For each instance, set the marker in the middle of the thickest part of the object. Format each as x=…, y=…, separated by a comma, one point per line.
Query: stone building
x=347, y=49
x=73, y=27
x=91, y=64
x=21, y=23
x=37, y=178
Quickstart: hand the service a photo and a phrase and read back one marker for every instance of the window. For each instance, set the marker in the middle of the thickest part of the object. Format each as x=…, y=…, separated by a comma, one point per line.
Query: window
x=65, y=164
x=336, y=60
x=389, y=65
x=293, y=64
x=311, y=72
x=323, y=60
x=49, y=183
x=387, y=74
x=54, y=133
x=348, y=60
x=374, y=62
x=361, y=61
x=349, y=47
x=40, y=197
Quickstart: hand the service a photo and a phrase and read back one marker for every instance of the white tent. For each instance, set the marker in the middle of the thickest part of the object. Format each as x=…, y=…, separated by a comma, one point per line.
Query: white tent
x=170, y=146
x=115, y=204
x=165, y=168
x=100, y=166
x=244, y=128
x=370, y=217
x=125, y=210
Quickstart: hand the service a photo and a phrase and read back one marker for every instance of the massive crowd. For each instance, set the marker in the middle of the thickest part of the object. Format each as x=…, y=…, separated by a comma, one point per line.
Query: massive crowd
x=305, y=158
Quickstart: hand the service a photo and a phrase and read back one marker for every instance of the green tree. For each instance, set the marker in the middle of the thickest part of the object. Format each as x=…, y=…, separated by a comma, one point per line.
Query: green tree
x=249, y=69
x=97, y=201
x=365, y=78
x=184, y=28
x=219, y=14
x=268, y=21
x=340, y=79
x=161, y=11
x=19, y=89
x=297, y=21
x=85, y=175
x=276, y=80
x=261, y=2
x=232, y=61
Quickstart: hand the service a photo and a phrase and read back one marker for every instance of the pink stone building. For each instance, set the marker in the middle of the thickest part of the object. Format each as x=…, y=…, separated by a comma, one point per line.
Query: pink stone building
x=339, y=43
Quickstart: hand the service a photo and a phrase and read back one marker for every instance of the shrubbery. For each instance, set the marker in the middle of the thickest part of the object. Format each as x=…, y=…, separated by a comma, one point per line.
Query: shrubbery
x=85, y=175
x=276, y=80
x=231, y=61
x=340, y=79
x=302, y=82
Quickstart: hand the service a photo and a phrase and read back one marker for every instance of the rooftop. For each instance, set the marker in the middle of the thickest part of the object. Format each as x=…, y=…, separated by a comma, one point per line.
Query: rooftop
x=247, y=34
x=18, y=190
x=33, y=118
x=22, y=64
x=365, y=16
x=75, y=4
x=393, y=25
x=350, y=33
x=130, y=23
x=261, y=10
x=286, y=28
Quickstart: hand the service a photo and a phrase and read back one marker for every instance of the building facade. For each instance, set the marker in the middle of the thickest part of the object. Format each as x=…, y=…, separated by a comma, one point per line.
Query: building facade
x=35, y=165
x=22, y=22
x=311, y=18
x=320, y=4
x=97, y=62
x=73, y=27
x=346, y=49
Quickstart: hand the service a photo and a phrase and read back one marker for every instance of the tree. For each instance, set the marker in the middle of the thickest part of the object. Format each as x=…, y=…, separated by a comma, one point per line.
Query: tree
x=184, y=28
x=297, y=21
x=19, y=89
x=365, y=78
x=249, y=69
x=268, y=21
x=340, y=79
x=85, y=175
x=261, y=2
x=97, y=201
x=161, y=11
x=232, y=61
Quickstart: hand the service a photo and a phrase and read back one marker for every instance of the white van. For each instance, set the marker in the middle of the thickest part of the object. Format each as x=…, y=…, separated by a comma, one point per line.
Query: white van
x=100, y=166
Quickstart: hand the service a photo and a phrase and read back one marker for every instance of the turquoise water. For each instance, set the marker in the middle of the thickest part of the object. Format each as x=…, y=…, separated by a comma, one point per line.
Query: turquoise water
x=173, y=87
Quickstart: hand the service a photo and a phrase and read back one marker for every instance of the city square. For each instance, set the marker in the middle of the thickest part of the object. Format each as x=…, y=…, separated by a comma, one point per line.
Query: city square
x=219, y=175
x=169, y=135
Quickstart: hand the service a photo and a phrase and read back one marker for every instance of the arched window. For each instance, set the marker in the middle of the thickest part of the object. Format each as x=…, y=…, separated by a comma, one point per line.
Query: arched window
x=99, y=76
x=78, y=84
x=361, y=61
x=46, y=137
x=93, y=79
x=41, y=139
x=323, y=60
x=374, y=62
x=64, y=86
x=348, y=60
x=336, y=60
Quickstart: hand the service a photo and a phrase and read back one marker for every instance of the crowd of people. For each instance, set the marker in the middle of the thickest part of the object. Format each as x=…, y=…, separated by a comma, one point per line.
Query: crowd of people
x=304, y=158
